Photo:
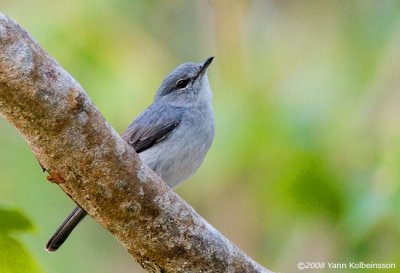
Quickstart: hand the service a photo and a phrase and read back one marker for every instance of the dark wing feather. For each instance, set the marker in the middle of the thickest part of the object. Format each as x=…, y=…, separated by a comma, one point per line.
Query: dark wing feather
x=142, y=135
x=143, y=138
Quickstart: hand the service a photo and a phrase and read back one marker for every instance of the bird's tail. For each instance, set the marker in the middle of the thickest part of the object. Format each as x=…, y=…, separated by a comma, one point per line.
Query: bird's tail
x=65, y=229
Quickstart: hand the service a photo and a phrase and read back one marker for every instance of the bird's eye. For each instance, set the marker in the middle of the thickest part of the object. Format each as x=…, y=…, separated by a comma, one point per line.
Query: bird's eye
x=182, y=83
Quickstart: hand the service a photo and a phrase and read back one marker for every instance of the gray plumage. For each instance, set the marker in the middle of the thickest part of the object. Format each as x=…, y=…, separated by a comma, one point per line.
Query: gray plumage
x=172, y=136
x=180, y=122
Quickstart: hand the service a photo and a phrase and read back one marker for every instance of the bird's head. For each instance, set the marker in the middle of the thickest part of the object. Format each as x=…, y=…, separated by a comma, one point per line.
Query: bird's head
x=186, y=86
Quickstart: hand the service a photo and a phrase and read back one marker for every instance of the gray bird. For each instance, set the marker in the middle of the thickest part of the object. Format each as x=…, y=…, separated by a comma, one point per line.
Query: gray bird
x=172, y=136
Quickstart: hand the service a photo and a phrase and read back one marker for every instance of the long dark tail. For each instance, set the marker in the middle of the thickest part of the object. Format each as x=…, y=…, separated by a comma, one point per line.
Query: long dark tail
x=65, y=229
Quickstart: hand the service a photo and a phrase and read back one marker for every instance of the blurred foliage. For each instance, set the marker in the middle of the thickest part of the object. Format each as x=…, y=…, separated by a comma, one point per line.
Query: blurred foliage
x=305, y=165
x=13, y=256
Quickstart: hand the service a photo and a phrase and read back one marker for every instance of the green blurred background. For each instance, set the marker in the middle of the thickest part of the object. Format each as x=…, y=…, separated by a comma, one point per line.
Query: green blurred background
x=305, y=165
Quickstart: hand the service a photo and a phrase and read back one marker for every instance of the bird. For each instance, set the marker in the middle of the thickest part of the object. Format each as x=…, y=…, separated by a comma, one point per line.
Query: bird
x=172, y=135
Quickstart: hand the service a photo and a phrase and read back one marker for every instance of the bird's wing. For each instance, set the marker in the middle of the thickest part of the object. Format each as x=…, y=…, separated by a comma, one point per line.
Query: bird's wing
x=150, y=128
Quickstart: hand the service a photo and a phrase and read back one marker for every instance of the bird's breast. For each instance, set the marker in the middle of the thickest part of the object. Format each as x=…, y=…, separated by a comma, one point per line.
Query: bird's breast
x=181, y=154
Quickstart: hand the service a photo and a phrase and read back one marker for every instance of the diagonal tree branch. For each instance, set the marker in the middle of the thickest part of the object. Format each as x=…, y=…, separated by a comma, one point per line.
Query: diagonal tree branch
x=91, y=163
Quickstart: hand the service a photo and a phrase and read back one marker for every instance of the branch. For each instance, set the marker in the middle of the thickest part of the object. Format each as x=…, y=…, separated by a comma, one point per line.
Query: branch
x=91, y=163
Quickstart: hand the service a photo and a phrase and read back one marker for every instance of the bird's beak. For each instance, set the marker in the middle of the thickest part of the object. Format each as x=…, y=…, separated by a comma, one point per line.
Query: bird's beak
x=203, y=68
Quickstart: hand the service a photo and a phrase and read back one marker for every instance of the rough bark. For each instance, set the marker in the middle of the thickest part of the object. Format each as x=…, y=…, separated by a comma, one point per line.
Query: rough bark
x=91, y=163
